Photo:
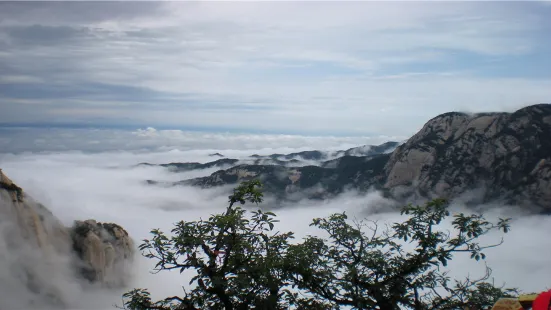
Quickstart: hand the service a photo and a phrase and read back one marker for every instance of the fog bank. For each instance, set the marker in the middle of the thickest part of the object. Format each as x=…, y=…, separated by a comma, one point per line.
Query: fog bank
x=106, y=187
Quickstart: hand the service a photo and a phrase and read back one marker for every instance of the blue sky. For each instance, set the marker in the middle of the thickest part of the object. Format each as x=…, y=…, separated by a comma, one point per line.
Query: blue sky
x=303, y=67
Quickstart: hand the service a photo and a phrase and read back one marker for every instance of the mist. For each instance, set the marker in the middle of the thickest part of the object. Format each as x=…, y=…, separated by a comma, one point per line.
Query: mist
x=108, y=187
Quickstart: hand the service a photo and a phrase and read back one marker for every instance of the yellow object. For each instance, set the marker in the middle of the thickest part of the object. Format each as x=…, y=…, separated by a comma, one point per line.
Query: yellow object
x=507, y=304
x=527, y=297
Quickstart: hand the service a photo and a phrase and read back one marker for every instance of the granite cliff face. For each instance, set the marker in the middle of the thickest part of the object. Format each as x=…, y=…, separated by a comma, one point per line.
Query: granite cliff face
x=41, y=258
x=104, y=250
x=503, y=157
x=32, y=242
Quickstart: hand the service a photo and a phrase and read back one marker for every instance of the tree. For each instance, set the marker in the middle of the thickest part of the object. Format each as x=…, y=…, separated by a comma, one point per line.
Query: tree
x=241, y=262
x=238, y=261
x=364, y=268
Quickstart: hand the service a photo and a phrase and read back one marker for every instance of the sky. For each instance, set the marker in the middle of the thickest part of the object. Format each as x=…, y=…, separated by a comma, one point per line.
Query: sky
x=314, y=68
x=17, y=140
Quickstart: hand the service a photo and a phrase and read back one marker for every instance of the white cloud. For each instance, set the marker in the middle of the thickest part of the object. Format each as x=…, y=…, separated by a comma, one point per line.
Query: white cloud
x=260, y=65
x=17, y=140
x=101, y=186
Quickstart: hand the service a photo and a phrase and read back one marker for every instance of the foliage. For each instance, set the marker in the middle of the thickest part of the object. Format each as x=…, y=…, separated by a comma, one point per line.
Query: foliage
x=366, y=269
x=241, y=262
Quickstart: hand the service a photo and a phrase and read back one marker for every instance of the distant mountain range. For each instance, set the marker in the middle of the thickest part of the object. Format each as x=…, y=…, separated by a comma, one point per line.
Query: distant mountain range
x=323, y=158
x=501, y=157
x=181, y=167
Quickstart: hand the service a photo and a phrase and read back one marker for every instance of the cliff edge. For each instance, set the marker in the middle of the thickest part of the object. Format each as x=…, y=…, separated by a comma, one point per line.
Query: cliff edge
x=42, y=258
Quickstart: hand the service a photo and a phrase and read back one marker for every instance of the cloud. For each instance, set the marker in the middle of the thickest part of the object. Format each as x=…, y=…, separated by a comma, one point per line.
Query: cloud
x=44, y=139
x=73, y=12
x=308, y=68
x=105, y=187
x=44, y=35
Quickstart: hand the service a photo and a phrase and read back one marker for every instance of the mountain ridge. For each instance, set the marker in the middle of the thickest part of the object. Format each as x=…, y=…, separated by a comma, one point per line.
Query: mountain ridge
x=290, y=159
x=506, y=156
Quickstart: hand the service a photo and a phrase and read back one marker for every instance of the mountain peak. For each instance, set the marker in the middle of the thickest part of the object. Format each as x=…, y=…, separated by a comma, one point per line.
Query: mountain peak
x=505, y=154
x=99, y=255
x=7, y=184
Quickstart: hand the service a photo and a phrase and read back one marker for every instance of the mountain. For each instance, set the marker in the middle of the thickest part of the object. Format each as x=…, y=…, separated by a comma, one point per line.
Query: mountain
x=364, y=150
x=288, y=160
x=284, y=180
x=503, y=157
x=313, y=182
x=368, y=150
x=305, y=155
x=181, y=167
x=44, y=258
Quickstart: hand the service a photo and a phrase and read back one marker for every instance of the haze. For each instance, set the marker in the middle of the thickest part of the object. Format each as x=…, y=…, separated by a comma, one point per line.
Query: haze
x=105, y=187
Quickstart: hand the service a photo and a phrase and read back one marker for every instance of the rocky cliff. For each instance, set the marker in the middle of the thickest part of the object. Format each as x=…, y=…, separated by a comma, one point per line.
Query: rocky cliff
x=42, y=258
x=506, y=156
x=104, y=251
x=503, y=157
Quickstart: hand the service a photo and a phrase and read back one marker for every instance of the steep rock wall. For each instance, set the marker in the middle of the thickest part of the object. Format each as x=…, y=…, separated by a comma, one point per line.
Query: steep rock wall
x=38, y=255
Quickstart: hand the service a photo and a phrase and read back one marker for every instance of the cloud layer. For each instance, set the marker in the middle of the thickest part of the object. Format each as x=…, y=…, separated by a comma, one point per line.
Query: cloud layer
x=321, y=68
x=104, y=187
x=17, y=140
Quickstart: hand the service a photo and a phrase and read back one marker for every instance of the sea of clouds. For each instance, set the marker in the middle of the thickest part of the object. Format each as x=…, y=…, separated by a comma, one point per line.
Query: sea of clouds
x=79, y=183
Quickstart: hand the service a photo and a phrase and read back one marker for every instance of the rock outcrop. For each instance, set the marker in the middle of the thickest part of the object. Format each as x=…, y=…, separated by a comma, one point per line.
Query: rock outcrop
x=503, y=157
x=34, y=222
x=506, y=156
x=32, y=244
x=105, y=251
x=40, y=253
